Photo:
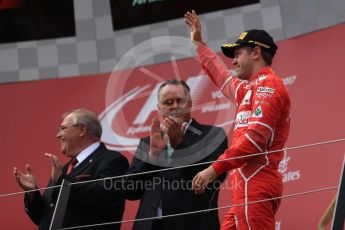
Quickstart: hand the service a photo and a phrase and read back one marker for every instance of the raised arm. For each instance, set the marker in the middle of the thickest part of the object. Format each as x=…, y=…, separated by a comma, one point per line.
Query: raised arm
x=215, y=68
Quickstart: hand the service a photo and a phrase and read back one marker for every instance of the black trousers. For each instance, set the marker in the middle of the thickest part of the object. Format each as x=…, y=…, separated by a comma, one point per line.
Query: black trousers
x=157, y=225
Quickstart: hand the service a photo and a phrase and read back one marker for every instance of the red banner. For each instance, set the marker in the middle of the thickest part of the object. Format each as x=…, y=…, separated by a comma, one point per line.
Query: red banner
x=312, y=67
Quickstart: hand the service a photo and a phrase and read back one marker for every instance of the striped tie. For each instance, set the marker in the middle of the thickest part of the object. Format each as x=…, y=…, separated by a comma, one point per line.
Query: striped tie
x=170, y=150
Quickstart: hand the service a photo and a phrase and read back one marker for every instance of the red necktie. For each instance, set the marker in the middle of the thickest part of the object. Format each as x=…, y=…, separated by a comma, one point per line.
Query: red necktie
x=71, y=164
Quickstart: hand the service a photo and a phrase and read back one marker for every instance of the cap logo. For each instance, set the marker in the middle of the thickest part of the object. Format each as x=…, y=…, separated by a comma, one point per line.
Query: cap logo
x=259, y=44
x=230, y=45
x=243, y=35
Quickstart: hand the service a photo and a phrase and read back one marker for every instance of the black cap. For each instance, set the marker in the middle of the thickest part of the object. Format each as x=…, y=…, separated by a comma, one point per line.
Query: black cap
x=251, y=38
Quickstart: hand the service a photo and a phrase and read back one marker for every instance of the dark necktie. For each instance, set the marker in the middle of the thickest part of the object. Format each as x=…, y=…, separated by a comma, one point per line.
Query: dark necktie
x=170, y=150
x=71, y=165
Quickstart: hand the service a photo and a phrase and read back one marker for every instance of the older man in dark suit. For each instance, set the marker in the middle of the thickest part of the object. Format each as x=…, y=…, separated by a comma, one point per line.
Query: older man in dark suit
x=89, y=203
x=175, y=139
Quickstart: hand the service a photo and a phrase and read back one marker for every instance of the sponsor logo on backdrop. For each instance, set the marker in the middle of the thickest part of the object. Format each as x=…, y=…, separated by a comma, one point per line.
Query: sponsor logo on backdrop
x=289, y=80
x=131, y=94
x=215, y=107
x=288, y=175
x=136, y=124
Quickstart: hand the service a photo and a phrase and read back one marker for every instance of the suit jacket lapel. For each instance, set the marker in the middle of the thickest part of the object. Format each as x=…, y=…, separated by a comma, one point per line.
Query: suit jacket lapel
x=193, y=132
x=87, y=162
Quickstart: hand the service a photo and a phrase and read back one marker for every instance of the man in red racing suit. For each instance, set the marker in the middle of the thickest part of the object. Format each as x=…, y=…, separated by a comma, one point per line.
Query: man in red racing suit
x=262, y=124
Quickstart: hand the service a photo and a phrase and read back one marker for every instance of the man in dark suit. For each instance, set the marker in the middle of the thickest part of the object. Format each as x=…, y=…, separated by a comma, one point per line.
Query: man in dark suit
x=175, y=139
x=89, y=203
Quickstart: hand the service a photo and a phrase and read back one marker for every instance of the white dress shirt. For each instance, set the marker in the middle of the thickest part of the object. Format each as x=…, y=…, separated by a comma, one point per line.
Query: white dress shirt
x=87, y=152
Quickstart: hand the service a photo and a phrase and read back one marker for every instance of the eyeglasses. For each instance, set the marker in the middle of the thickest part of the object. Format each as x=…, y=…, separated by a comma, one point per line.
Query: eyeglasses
x=63, y=127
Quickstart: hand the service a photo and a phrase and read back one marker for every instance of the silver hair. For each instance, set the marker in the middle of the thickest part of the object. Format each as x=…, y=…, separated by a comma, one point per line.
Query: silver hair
x=87, y=118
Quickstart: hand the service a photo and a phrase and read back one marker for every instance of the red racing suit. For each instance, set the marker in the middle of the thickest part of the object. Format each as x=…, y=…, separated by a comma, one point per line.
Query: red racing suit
x=262, y=124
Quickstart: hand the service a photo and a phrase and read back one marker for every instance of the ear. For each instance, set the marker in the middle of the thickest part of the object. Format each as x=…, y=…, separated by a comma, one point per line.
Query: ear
x=257, y=53
x=159, y=110
x=83, y=130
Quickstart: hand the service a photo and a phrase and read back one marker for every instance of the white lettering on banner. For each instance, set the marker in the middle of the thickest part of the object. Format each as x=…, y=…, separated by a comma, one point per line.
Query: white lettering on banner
x=278, y=225
x=217, y=107
x=136, y=130
x=217, y=95
x=288, y=175
x=289, y=80
x=265, y=90
x=291, y=176
x=242, y=119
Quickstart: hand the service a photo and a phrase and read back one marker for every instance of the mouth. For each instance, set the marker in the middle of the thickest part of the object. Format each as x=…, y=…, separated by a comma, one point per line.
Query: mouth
x=174, y=114
x=62, y=141
x=177, y=112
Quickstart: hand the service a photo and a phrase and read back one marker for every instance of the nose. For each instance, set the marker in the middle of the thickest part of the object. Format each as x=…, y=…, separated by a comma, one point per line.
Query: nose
x=58, y=135
x=175, y=104
x=234, y=61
